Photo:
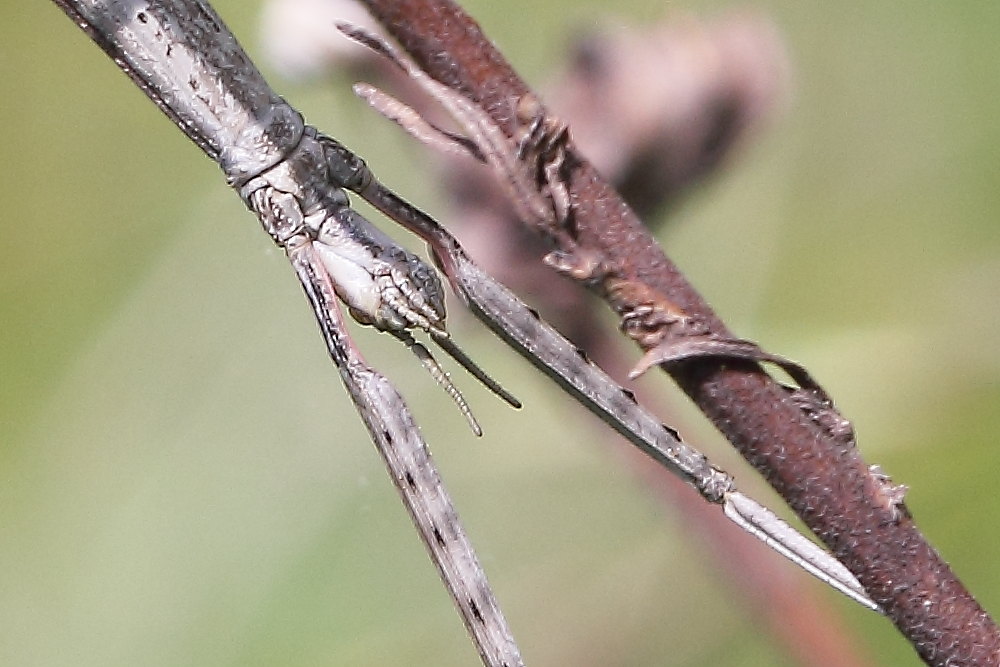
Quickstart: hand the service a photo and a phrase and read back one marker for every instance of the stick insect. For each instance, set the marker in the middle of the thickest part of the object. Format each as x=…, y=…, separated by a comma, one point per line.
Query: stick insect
x=293, y=178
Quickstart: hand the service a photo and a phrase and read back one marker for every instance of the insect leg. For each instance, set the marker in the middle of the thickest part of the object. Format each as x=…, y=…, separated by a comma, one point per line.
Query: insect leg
x=456, y=353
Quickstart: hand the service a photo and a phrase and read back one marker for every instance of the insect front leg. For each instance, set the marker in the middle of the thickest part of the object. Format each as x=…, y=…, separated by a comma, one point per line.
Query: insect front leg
x=393, y=290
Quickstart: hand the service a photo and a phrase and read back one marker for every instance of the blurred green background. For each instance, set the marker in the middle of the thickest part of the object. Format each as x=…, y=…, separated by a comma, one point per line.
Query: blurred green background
x=184, y=482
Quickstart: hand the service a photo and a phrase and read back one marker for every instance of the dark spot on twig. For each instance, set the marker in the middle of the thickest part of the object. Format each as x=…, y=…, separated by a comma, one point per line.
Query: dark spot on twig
x=672, y=432
x=475, y=612
x=387, y=436
x=630, y=395
x=410, y=482
x=582, y=354
x=142, y=18
x=438, y=537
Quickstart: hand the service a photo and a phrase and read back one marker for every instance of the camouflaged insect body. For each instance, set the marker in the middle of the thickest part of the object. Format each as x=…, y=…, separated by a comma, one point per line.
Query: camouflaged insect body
x=383, y=284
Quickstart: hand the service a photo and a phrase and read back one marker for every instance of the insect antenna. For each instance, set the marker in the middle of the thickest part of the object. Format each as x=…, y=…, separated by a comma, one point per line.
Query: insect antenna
x=441, y=377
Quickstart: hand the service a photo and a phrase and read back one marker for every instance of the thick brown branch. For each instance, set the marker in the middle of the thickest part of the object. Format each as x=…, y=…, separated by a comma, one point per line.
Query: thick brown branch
x=819, y=473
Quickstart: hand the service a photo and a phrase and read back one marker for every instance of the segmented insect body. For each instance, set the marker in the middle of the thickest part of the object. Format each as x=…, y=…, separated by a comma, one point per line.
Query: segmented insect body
x=383, y=284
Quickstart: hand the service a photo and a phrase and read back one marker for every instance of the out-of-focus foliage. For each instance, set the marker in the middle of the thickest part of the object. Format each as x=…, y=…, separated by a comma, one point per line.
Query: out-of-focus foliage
x=185, y=482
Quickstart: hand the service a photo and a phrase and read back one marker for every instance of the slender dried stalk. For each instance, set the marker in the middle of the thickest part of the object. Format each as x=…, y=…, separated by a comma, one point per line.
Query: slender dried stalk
x=806, y=453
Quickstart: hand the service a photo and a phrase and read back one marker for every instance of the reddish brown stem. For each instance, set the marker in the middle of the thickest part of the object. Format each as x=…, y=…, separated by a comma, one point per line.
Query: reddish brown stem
x=822, y=477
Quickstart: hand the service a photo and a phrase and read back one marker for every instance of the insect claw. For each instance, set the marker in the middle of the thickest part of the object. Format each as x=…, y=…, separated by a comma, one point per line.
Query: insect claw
x=456, y=353
x=441, y=377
